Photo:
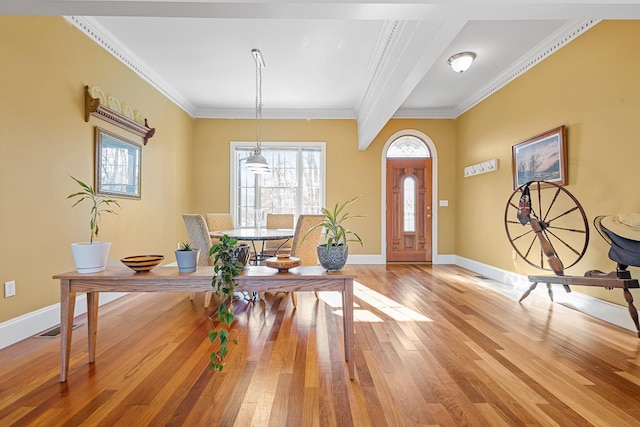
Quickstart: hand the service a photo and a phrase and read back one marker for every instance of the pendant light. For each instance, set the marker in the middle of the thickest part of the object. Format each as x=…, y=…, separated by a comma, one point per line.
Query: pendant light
x=256, y=162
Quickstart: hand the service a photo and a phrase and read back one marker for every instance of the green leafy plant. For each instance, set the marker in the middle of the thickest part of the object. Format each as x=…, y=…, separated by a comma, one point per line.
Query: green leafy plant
x=334, y=231
x=185, y=246
x=99, y=205
x=226, y=268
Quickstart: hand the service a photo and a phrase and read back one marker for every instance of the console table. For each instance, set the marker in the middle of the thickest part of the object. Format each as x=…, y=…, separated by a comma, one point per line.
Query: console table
x=168, y=279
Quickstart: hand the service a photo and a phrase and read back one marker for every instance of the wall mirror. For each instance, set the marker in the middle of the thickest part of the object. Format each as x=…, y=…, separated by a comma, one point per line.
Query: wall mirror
x=118, y=165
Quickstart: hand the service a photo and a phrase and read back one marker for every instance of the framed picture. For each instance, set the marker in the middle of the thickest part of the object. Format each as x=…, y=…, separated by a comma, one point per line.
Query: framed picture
x=118, y=165
x=541, y=158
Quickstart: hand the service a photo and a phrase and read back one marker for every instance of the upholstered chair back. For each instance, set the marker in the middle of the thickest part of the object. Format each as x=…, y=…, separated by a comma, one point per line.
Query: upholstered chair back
x=307, y=250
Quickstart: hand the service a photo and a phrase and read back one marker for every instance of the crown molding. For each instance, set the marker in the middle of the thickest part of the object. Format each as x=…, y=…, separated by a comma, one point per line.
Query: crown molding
x=300, y=113
x=542, y=51
x=552, y=44
x=424, y=113
x=98, y=34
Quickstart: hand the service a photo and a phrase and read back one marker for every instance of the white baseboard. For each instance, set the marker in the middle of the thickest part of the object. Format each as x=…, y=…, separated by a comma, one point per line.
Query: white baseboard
x=365, y=259
x=513, y=286
x=381, y=259
x=30, y=324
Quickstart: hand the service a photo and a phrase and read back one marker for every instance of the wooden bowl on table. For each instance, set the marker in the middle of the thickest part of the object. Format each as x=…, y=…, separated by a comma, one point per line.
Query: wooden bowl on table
x=142, y=263
x=283, y=262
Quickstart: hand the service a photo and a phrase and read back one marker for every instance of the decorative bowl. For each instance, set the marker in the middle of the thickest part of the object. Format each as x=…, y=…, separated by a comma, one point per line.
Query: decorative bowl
x=283, y=263
x=142, y=263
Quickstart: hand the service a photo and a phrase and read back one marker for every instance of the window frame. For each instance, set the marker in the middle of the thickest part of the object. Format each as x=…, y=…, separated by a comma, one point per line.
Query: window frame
x=270, y=145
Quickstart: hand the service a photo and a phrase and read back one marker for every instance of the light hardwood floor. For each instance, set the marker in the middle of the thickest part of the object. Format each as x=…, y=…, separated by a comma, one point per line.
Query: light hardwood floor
x=433, y=345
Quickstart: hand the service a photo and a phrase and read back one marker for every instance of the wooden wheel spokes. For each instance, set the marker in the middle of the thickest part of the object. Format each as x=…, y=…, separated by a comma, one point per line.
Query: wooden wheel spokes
x=562, y=228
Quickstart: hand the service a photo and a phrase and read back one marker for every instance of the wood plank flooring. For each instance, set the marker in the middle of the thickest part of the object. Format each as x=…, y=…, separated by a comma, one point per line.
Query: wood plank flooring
x=433, y=347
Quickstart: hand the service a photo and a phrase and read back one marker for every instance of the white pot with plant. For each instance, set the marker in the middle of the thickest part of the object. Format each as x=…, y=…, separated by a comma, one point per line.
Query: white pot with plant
x=92, y=256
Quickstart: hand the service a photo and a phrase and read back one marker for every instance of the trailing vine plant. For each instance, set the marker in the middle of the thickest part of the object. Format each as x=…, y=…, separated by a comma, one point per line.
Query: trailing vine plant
x=226, y=268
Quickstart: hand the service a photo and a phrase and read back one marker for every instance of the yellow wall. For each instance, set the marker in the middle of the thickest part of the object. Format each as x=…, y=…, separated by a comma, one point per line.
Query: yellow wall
x=349, y=171
x=346, y=169
x=46, y=62
x=591, y=86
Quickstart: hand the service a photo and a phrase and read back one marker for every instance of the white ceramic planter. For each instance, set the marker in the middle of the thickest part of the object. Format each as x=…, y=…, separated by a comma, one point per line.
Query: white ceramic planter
x=187, y=260
x=90, y=257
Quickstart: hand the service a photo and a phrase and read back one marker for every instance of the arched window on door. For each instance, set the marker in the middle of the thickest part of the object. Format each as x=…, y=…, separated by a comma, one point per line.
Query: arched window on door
x=408, y=146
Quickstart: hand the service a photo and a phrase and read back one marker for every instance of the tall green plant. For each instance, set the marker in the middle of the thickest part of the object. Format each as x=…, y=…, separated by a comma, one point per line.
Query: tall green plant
x=335, y=232
x=99, y=205
x=227, y=267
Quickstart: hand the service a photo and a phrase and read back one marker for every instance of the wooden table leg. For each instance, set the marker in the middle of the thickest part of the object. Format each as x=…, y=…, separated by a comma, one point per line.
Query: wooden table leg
x=347, y=310
x=67, y=309
x=92, y=323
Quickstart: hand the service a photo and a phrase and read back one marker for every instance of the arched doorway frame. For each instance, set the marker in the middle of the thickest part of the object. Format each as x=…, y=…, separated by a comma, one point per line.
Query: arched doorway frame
x=434, y=191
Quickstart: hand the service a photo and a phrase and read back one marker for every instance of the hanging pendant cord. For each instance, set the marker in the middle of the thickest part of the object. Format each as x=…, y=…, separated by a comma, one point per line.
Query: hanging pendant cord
x=259, y=106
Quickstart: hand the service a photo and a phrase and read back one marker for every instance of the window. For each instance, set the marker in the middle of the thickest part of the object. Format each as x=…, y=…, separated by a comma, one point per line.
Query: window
x=409, y=196
x=408, y=146
x=295, y=184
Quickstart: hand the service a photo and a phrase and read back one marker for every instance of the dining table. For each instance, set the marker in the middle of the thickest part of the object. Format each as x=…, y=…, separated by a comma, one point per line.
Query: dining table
x=255, y=235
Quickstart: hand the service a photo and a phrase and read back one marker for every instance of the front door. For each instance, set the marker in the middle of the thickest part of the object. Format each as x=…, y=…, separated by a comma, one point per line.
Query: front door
x=409, y=211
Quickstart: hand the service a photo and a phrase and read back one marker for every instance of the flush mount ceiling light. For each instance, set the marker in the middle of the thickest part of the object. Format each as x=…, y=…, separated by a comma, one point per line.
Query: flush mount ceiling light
x=460, y=62
x=256, y=162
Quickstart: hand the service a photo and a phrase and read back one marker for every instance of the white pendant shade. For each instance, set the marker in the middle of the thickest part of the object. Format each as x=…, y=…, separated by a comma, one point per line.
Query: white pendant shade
x=460, y=62
x=257, y=163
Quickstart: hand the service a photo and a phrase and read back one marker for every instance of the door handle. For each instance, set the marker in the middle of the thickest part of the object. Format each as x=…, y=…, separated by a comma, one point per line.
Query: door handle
x=428, y=215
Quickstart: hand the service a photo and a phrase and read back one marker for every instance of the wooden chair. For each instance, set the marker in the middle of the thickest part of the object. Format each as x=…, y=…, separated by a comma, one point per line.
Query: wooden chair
x=199, y=238
x=276, y=221
x=219, y=221
x=306, y=250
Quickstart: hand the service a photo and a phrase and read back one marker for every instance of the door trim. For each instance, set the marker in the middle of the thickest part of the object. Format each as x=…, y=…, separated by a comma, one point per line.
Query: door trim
x=434, y=192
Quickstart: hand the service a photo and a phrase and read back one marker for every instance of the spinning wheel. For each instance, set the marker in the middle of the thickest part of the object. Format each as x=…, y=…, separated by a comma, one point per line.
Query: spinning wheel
x=563, y=233
x=547, y=214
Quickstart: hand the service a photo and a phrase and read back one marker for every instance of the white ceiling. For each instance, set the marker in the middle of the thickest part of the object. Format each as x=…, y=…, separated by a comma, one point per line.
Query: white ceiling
x=364, y=59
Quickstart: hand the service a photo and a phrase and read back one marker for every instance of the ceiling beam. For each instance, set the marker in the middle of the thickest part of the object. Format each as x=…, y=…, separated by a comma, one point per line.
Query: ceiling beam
x=413, y=49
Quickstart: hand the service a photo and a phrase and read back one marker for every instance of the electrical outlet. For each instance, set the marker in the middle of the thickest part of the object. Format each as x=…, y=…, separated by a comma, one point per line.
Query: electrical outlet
x=9, y=289
x=514, y=254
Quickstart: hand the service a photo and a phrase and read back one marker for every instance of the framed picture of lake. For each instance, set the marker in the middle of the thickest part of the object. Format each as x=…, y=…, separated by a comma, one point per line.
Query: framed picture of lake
x=117, y=165
x=541, y=158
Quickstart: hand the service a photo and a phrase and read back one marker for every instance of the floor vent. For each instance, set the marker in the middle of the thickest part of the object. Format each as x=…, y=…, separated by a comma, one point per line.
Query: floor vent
x=52, y=332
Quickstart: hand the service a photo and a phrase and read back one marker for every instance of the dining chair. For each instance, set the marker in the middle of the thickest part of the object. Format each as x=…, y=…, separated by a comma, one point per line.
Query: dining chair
x=306, y=250
x=275, y=221
x=199, y=238
x=219, y=221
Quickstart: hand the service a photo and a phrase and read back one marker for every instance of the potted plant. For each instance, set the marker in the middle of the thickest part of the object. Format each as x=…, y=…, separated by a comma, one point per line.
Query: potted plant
x=92, y=256
x=226, y=267
x=187, y=258
x=333, y=254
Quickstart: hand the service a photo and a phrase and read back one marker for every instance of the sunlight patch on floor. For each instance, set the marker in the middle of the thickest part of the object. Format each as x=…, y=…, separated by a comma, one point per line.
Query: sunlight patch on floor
x=391, y=308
